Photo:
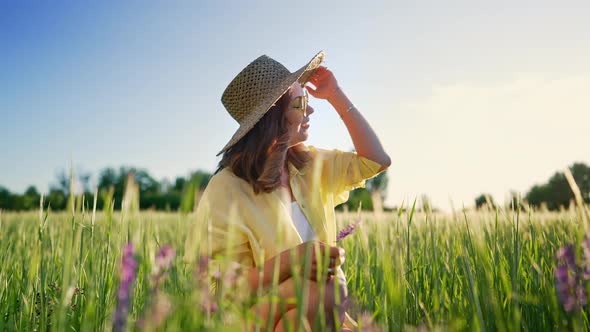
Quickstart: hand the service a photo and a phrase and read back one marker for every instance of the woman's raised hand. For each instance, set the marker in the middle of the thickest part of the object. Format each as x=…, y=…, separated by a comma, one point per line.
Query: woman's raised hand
x=315, y=257
x=324, y=81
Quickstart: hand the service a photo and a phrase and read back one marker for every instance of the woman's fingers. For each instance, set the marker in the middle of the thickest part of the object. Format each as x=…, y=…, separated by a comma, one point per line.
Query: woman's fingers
x=336, y=252
x=326, y=275
x=317, y=71
x=321, y=69
x=337, y=256
x=321, y=73
x=318, y=80
x=334, y=256
x=340, y=260
x=311, y=91
x=322, y=254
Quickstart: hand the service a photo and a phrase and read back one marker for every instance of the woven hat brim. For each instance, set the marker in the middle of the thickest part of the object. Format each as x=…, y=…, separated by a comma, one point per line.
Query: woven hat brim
x=302, y=76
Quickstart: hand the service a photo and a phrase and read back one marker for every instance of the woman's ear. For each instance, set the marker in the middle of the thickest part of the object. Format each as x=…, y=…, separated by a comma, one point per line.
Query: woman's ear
x=272, y=145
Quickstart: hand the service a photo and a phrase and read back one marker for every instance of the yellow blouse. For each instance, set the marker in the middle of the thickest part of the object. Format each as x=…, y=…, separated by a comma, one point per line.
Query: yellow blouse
x=233, y=222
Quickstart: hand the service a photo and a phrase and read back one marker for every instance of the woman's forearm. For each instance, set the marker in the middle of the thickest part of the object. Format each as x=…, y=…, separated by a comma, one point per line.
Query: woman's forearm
x=366, y=142
x=278, y=265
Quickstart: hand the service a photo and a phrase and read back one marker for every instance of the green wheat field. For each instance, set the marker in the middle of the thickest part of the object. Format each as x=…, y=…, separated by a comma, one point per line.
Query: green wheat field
x=486, y=270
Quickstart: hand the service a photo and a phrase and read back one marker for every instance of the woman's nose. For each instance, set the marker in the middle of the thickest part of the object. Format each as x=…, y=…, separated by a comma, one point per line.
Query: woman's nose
x=308, y=110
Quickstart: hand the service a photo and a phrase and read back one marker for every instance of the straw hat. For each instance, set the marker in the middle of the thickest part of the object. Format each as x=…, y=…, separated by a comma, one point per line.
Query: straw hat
x=257, y=87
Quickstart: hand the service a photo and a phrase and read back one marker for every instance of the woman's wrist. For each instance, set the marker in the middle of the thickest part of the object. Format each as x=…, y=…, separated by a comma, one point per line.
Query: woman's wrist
x=334, y=94
x=340, y=102
x=262, y=278
x=285, y=265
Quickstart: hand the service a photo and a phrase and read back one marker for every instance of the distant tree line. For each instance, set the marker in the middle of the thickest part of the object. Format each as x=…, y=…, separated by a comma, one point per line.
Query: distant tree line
x=111, y=184
x=555, y=194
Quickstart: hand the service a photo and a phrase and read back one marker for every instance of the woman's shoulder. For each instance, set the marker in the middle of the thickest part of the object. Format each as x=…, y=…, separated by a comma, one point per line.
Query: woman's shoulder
x=314, y=151
x=320, y=153
x=227, y=183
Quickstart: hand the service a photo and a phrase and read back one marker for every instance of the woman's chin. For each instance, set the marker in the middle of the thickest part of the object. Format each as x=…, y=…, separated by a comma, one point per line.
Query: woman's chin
x=298, y=142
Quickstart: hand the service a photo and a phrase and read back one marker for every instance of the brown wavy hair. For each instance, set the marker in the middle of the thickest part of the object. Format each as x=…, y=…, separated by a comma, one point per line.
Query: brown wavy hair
x=259, y=156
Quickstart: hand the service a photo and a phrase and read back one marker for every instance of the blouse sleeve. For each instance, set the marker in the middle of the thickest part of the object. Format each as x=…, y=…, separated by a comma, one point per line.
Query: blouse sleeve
x=218, y=230
x=345, y=171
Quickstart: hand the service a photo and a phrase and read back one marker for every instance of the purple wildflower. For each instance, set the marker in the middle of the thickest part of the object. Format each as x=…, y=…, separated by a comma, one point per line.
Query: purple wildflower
x=127, y=276
x=586, y=255
x=565, y=281
x=208, y=305
x=568, y=282
x=346, y=231
x=203, y=265
x=201, y=274
x=231, y=275
x=160, y=306
x=165, y=257
x=567, y=255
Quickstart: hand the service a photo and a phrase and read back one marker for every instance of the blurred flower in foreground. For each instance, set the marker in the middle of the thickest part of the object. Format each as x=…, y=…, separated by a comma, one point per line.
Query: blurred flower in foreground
x=202, y=278
x=165, y=257
x=127, y=276
x=586, y=255
x=160, y=305
x=231, y=275
x=219, y=282
x=569, y=279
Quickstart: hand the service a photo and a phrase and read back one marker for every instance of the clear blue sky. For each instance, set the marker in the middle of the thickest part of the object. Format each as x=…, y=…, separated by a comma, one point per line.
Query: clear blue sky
x=467, y=97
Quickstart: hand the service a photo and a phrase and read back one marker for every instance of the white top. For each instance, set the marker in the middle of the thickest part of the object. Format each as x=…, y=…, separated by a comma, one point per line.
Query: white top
x=301, y=223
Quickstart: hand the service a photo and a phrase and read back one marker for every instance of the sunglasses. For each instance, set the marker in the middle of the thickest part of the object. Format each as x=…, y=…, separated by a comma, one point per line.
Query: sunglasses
x=304, y=101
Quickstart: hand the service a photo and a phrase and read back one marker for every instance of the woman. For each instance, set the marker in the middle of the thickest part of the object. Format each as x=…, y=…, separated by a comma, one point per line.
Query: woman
x=271, y=201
